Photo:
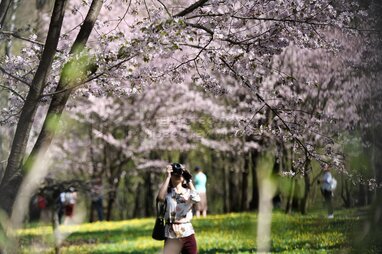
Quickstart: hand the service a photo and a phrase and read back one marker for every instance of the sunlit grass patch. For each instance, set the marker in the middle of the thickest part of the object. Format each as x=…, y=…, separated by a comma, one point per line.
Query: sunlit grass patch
x=228, y=233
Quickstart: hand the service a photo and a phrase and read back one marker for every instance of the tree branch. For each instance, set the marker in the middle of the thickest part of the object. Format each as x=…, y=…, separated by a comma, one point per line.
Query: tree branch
x=89, y=78
x=200, y=27
x=16, y=35
x=165, y=7
x=261, y=99
x=14, y=77
x=189, y=60
x=122, y=18
x=285, y=20
x=191, y=8
x=13, y=91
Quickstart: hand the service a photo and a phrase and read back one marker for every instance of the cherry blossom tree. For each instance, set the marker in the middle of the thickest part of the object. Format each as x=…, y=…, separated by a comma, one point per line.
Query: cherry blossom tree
x=126, y=130
x=219, y=46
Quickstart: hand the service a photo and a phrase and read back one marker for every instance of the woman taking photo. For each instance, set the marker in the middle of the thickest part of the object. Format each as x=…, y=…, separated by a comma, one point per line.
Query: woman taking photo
x=179, y=194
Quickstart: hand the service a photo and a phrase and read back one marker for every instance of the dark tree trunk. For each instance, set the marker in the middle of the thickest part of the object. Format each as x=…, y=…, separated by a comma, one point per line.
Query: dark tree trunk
x=138, y=204
x=345, y=193
x=10, y=26
x=289, y=202
x=64, y=87
x=244, y=183
x=226, y=204
x=304, y=200
x=110, y=203
x=371, y=239
x=5, y=5
x=149, y=205
x=276, y=200
x=13, y=175
x=361, y=195
x=234, y=193
x=295, y=201
x=254, y=204
x=183, y=158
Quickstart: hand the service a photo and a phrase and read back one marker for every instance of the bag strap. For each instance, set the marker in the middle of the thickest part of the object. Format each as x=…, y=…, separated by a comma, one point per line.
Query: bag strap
x=161, y=209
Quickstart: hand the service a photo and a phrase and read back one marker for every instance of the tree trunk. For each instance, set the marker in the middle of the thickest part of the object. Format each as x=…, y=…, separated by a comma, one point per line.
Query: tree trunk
x=226, y=205
x=138, y=206
x=11, y=27
x=234, y=194
x=244, y=183
x=60, y=99
x=304, y=200
x=345, y=193
x=361, y=195
x=276, y=200
x=4, y=7
x=183, y=158
x=13, y=174
x=289, y=202
x=371, y=239
x=110, y=203
x=254, y=204
x=149, y=198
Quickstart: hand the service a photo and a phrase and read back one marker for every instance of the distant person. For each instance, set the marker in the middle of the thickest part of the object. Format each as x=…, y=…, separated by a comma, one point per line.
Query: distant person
x=42, y=204
x=200, y=181
x=328, y=185
x=68, y=199
x=60, y=206
x=96, y=199
x=179, y=195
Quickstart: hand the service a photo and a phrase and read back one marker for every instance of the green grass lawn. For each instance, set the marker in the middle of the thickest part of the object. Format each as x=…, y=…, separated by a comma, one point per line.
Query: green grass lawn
x=229, y=233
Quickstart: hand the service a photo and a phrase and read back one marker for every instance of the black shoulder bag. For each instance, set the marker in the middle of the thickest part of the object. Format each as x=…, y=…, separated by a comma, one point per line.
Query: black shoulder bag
x=158, y=230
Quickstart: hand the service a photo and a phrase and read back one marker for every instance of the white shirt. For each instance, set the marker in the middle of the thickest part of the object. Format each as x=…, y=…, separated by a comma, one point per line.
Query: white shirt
x=327, y=181
x=179, y=213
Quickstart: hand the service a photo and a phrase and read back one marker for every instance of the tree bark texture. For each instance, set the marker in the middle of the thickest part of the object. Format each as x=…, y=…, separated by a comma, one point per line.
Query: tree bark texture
x=304, y=200
x=13, y=174
x=4, y=7
x=59, y=100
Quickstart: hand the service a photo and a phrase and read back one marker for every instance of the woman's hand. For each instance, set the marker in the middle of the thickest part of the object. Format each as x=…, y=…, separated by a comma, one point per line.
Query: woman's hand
x=168, y=170
x=187, y=176
x=163, y=189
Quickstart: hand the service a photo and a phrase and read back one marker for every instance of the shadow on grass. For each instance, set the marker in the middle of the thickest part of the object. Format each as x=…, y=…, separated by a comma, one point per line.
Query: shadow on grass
x=155, y=250
x=145, y=251
x=307, y=245
x=108, y=236
x=220, y=250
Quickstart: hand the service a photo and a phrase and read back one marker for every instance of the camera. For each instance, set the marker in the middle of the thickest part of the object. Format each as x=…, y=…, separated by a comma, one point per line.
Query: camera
x=176, y=169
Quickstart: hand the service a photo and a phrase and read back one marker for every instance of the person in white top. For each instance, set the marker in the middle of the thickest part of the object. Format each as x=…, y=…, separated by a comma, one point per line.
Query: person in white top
x=328, y=184
x=180, y=195
x=68, y=199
